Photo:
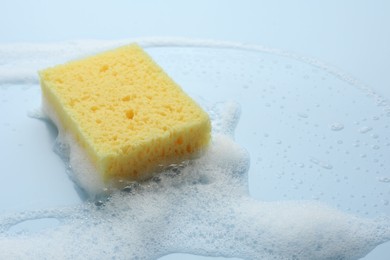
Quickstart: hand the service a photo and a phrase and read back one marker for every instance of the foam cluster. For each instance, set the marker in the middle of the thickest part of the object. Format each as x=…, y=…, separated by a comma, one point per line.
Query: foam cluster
x=201, y=207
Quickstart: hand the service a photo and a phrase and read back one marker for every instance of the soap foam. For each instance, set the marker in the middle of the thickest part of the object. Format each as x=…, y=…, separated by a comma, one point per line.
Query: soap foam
x=203, y=208
x=79, y=165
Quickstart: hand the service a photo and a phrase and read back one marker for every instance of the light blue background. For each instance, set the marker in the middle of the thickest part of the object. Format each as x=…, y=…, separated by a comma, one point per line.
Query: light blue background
x=353, y=36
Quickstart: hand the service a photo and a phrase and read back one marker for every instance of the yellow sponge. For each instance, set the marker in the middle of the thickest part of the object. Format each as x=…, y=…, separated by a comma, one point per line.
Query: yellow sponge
x=125, y=112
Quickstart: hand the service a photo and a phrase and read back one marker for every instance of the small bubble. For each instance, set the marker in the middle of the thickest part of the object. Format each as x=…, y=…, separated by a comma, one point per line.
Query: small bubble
x=375, y=147
x=337, y=126
x=340, y=142
x=131, y=187
x=99, y=203
x=382, y=102
x=156, y=179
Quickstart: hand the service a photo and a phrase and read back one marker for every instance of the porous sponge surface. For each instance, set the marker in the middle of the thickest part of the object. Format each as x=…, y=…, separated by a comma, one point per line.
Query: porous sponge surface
x=126, y=113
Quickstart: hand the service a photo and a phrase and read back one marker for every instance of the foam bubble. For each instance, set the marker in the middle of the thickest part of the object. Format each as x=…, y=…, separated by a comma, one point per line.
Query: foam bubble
x=202, y=207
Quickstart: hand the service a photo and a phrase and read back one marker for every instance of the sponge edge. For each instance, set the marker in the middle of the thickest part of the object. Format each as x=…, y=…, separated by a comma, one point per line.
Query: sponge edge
x=124, y=113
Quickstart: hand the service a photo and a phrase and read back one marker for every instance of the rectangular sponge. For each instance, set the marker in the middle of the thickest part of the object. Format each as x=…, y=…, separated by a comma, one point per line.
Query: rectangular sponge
x=125, y=112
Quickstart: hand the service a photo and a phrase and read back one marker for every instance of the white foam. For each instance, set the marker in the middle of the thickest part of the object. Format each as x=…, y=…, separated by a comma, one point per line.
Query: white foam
x=80, y=167
x=204, y=208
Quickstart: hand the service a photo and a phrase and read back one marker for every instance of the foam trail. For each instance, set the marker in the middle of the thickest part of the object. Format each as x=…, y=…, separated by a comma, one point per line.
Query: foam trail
x=198, y=213
x=20, y=62
x=204, y=208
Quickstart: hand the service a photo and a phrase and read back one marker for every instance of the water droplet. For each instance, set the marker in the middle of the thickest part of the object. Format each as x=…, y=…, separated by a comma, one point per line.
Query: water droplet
x=375, y=147
x=375, y=136
x=301, y=165
x=384, y=179
x=365, y=129
x=303, y=115
x=337, y=126
x=321, y=163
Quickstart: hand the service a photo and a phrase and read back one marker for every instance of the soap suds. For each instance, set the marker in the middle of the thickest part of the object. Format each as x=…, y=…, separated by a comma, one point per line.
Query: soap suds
x=202, y=208
x=79, y=166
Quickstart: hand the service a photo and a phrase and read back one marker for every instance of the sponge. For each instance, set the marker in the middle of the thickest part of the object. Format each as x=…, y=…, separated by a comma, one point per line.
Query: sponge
x=125, y=112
